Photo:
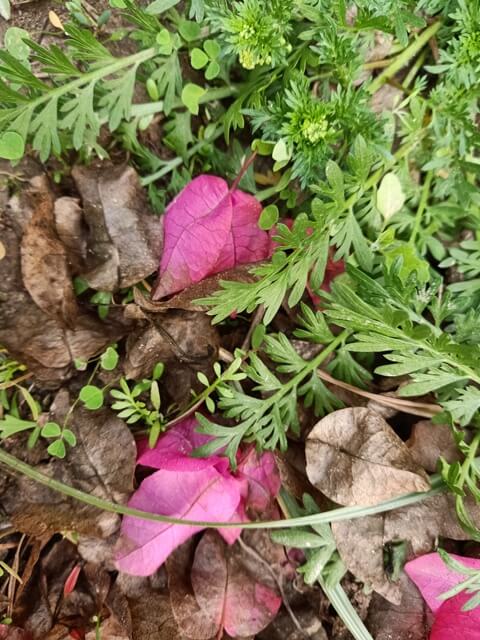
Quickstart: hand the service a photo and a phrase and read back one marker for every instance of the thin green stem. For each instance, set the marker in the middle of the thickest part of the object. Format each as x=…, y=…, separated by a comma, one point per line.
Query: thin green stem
x=176, y=162
x=310, y=365
x=422, y=205
x=335, y=515
x=92, y=76
x=405, y=56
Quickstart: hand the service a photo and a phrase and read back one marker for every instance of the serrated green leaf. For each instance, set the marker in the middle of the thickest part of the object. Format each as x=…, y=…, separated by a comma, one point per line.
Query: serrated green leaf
x=159, y=6
x=298, y=539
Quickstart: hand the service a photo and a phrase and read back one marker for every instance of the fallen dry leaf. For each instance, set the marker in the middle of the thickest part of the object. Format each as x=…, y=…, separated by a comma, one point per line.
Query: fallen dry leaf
x=206, y=287
x=208, y=228
x=101, y=464
x=152, y=618
x=407, y=620
x=429, y=441
x=44, y=259
x=31, y=336
x=9, y=632
x=355, y=458
x=361, y=542
x=125, y=239
x=71, y=230
x=185, y=341
x=221, y=591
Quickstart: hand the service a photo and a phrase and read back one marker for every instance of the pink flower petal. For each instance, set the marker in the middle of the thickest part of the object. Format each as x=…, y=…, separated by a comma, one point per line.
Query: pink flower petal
x=204, y=495
x=208, y=228
x=433, y=577
x=263, y=479
x=451, y=623
x=173, y=450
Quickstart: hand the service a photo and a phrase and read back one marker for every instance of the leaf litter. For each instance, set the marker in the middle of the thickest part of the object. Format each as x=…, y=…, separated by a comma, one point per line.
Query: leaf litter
x=76, y=267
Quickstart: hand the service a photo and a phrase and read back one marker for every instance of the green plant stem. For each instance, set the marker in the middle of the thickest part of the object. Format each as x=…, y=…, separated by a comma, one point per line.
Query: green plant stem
x=335, y=515
x=467, y=463
x=92, y=76
x=176, y=162
x=404, y=57
x=422, y=205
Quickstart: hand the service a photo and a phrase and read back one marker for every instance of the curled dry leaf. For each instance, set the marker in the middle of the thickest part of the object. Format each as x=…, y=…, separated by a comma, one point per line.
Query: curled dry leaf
x=222, y=591
x=355, y=458
x=44, y=261
x=33, y=337
x=102, y=464
x=208, y=228
x=206, y=287
x=361, y=542
x=124, y=239
x=407, y=620
x=71, y=230
x=429, y=441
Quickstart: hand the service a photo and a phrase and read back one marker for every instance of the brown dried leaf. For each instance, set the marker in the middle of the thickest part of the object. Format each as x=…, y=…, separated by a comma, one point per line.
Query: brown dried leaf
x=125, y=238
x=355, y=458
x=185, y=341
x=361, y=542
x=184, y=299
x=71, y=230
x=44, y=259
x=8, y=632
x=31, y=336
x=102, y=464
x=429, y=441
x=407, y=620
x=226, y=588
x=152, y=618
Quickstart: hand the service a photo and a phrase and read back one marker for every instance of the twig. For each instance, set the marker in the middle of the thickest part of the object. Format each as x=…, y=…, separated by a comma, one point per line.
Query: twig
x=423, y=409
x=12, y=580
x=278, y=582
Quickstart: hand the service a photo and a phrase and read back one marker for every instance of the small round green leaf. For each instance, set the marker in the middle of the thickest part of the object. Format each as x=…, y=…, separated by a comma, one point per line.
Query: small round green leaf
x=91, y=396
x=281, y=152
x=51, y=430
x=268, y=217
x=5, y=9
x=203, y=379
x=57, y=449
x=164, y=40
x=14, y=43
x=189, y=30
x=198, y=58
x=12, y=146
x=109, y=359
x=212, y=48
x=390, y=196
x=210, y=404
x=69, y=437
x=191, y=95
x=212, y=71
